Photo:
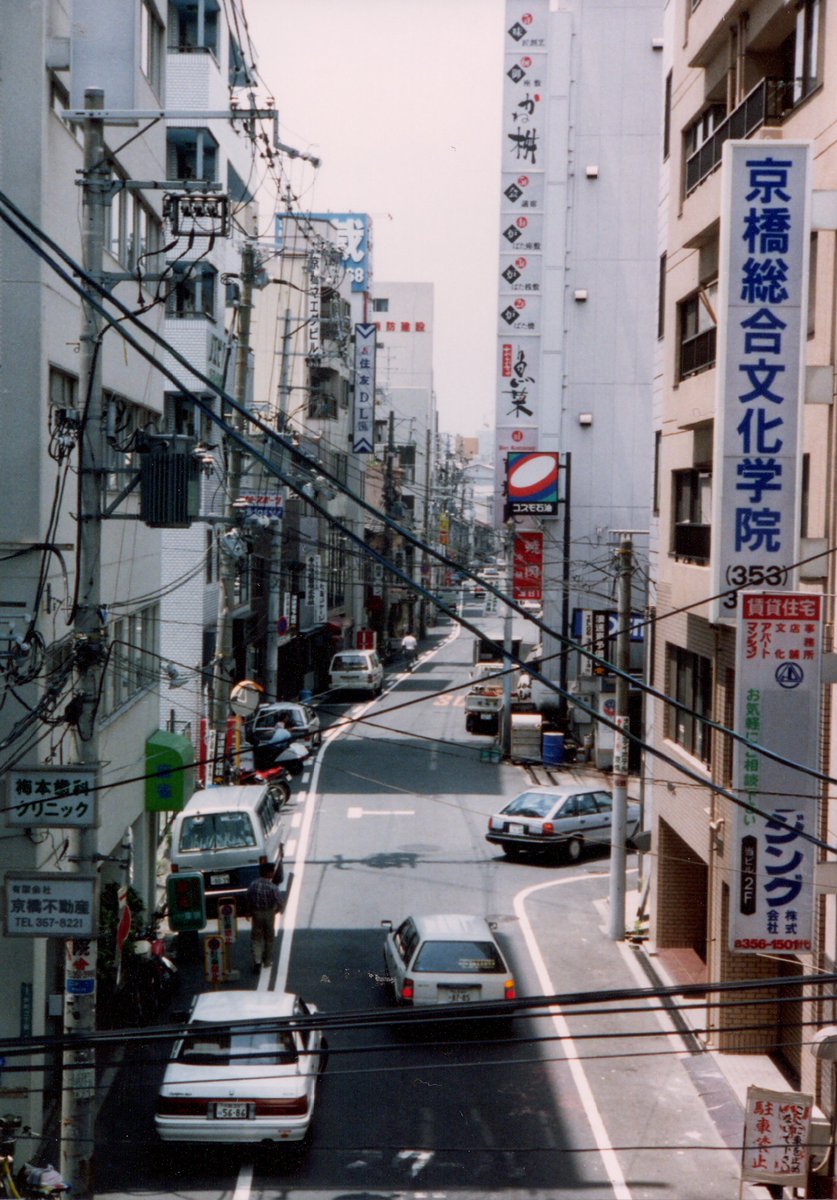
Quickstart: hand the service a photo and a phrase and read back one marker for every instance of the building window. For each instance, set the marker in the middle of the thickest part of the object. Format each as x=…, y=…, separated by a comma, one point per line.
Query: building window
x=805, y=495
x=697, y=332
x=661, y=296
x=812, y=286
x=63, y=389
x=692, y=508
x=658, y=445
x=151, y=47
x=134, y=661
x=132, y=231
x=191, y=154
x=690, y=683
x=192, y=27
x=380, y=305
x=667, y=118
x=192, y=292
x=806, y=66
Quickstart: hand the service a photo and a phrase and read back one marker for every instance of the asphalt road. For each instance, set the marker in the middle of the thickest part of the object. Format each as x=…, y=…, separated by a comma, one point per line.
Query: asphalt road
x=391, y=820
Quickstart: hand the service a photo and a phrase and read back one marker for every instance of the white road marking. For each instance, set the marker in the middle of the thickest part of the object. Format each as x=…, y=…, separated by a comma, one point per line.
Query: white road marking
x=354, y=813
x=597, y=1126
x=290, y=848
x=244, y=1183
x=296, y=820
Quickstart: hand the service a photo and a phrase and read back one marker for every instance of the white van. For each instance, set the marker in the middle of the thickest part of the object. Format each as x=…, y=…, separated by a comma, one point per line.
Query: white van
x=226, y=833
x=356, y=670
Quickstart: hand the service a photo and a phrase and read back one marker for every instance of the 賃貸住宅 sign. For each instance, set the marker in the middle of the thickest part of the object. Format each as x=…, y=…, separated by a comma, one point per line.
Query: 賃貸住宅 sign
x=46, y=796
x=762, y=331
x=41, y=904
x=777, y=706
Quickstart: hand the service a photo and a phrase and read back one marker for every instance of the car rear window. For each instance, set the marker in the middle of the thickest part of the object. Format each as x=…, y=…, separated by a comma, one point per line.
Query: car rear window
x=216, y=831
x=256, y=1049
x=460, y=958
x=530, y=804
x=349, y=662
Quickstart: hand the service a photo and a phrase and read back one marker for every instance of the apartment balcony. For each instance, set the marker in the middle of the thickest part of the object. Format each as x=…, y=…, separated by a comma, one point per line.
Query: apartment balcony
x=692, y=542
x=194, y=80
x=769, y=103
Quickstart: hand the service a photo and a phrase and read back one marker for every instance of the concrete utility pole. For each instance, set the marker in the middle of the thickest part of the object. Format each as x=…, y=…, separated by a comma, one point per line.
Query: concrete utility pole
x=424, y=616
x=389, y=500
x=223, y=662
x=274, y=583
x=78, y=1109
x=619, y=831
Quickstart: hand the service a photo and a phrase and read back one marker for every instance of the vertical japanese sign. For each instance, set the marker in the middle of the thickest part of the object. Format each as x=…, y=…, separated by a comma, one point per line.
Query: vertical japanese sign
x=762, y=326
x=527, y=582
x=363, y=431
x=315, y=345
x=776, y=1131
x=777, y=705
x=522, y=190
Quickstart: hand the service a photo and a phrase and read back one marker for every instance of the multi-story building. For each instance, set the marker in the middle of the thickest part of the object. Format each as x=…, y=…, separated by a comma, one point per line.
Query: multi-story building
x=45, y=408
x=761, y=73
x=202, y=286
x=577, y=294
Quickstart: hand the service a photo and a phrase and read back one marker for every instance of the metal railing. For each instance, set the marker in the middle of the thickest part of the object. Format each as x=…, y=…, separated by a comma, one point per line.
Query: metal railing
x=693, y=542
x=768, y=103
x=698, y=353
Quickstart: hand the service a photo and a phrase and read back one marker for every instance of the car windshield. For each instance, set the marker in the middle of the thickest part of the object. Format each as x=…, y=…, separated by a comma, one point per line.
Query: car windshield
x=256, y=1048
x=459, y=958
x=216, y=831
x=530, y=804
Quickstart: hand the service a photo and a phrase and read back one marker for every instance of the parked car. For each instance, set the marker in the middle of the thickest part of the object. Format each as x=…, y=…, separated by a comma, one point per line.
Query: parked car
x=445, y=958
x=549, y=820
x=225, y=833
x=356, y=670
x=300, y=720
x=232, y=1078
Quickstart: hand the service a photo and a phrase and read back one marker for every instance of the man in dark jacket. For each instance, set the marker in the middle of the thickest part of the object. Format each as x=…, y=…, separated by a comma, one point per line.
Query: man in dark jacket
x=264, y=900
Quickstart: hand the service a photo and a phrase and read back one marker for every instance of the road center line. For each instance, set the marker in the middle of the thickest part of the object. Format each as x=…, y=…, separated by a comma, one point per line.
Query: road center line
x=597, y=1126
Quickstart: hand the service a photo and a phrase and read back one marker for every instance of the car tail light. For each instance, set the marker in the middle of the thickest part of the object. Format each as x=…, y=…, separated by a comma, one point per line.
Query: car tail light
x=547, y=827
x=262, y=859
x=174, y=868
x=508, y=989
x=408, y=990
x=294, y=1106
x=490, y=822
x=368, y=678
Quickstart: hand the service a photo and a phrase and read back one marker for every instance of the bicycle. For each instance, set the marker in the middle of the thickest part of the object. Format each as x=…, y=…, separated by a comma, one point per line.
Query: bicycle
x=31, y=1182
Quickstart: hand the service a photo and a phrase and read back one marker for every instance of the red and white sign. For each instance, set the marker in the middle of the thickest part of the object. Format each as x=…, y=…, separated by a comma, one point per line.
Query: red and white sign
x=527, y=580
x=777, y=706
x=776, y=1135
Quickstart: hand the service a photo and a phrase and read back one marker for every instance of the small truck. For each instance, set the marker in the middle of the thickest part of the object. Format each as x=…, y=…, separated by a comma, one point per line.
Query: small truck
x=483, y=705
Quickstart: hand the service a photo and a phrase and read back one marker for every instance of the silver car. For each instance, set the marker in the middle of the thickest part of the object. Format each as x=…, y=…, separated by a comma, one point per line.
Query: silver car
x=557, y=819
x=445, y=958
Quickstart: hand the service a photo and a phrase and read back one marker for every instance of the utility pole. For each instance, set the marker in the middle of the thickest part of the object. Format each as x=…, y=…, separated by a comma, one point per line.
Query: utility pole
x=274, y=579
x=223, y=662
x=78, y=1096
x=425, y=560
x=389, y=500
x=619, y=830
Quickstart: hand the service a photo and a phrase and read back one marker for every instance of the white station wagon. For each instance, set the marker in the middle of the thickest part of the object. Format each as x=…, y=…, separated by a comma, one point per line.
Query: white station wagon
x=445, y=958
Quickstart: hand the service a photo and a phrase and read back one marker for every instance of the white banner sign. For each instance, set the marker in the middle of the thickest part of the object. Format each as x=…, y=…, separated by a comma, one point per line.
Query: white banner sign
x=776, y=1135
x=38, y=904
x=315, y=342
x=777, y=706
x=762, y=327
x=363, y=435
x=51, y=796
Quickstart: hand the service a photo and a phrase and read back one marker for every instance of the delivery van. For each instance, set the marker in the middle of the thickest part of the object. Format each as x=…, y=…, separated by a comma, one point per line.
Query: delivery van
x=356, y=670
x=226, y=833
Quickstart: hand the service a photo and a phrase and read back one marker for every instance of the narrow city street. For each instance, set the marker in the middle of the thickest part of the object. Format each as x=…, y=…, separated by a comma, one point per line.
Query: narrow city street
x=391, y=823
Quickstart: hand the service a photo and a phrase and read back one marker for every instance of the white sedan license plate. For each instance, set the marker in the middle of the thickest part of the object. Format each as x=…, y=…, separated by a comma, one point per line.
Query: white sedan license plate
x=219, y=880
x=460, y=995
x=231, y=1111
x=519, y=829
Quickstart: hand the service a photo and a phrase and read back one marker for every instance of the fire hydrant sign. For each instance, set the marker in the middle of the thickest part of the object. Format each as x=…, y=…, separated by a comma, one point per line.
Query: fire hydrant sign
x=777, y=706
x=776, y=1130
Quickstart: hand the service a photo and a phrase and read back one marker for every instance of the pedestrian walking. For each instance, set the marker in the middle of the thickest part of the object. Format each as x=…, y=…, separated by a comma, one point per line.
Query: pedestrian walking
x=264, y=900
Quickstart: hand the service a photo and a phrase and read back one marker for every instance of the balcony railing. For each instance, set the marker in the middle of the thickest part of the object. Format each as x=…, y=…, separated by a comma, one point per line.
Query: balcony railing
x=693, y=542
x=698, y=353
x=767, y=104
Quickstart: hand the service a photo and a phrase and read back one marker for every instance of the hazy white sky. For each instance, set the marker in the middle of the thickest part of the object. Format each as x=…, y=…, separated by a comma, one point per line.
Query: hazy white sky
x=401, y=101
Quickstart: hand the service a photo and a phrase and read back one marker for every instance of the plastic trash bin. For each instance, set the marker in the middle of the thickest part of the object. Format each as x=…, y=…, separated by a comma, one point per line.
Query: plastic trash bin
x=553, y=748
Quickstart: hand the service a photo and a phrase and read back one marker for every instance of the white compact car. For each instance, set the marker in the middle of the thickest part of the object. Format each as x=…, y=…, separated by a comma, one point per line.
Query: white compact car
x=445, y=958
x=557, y=820
x=246, y=1070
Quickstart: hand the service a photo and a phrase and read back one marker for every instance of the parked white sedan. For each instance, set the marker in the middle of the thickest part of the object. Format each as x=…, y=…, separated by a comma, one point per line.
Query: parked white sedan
x=246, y=1070
x=557, y=819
